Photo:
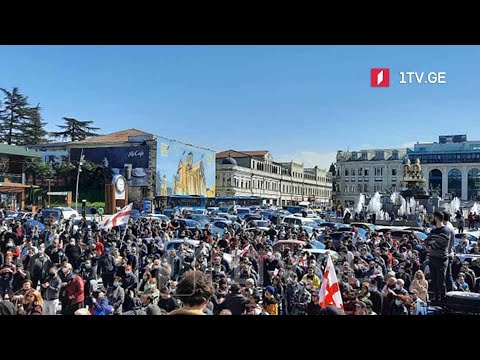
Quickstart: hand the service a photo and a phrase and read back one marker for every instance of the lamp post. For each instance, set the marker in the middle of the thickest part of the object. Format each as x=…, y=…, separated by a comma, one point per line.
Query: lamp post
x=82, y=157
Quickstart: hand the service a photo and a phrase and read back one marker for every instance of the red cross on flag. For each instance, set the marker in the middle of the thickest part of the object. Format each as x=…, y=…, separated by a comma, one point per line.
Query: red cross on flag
x=330, y=291
x=119, y=218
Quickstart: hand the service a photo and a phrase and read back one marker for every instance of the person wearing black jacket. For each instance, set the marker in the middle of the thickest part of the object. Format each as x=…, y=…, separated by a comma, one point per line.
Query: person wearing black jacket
x=313, y=307
x=106, y=268
x=50, y=290
x=166, y=301
x=74, y=253
x=235, y=301
x=375, y=297
x=438, y=242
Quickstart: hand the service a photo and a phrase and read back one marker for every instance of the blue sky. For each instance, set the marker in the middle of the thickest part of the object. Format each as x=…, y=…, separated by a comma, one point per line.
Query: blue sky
x=300, y=102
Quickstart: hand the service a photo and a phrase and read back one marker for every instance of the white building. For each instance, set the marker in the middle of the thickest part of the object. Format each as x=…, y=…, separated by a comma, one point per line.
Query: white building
x=254, y=173
x=366, y=172
x=451, y=166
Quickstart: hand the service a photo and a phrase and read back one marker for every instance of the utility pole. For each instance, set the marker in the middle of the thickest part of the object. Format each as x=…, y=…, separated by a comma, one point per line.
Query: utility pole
x=49, y=190
x=82, y=157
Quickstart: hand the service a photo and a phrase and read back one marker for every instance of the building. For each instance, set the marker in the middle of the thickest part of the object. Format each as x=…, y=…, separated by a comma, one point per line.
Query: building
x=254, y=173
x=153, y=165
x=366, y=172
x=13, y=160
x=451, y=166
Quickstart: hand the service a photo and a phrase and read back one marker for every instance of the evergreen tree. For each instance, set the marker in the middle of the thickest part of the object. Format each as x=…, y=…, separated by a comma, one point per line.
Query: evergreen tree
x=75, y=130
x=15, y=113
x=332, y=169
x=36, y=168
x=33, y=129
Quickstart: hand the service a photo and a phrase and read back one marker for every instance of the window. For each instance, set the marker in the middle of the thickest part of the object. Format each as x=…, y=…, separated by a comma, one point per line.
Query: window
x=360, y=172
x=365, y=187
x=346, y=172
x=394, y=172
x=366, y=172
x=359, y=187
x=378, y=171
x=353, y=172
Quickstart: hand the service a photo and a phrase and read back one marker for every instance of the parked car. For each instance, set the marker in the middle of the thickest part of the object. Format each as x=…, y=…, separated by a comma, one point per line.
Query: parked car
x=68, y=212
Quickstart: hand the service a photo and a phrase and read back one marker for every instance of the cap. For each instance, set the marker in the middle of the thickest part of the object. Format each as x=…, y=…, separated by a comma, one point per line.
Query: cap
x=270, y=289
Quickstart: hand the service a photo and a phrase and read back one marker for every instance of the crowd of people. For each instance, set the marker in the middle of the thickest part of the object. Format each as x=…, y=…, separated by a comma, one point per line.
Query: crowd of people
x=140, y=271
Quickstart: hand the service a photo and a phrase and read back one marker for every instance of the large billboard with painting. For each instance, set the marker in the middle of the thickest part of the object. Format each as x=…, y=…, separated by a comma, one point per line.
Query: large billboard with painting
x=184, y=169
x=133, y=159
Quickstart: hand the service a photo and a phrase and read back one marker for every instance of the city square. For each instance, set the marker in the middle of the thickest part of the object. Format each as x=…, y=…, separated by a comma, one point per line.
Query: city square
x=130, y=204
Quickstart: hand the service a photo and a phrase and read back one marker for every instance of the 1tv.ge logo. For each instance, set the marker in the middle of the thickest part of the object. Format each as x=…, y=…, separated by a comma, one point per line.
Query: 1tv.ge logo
x=380, y=77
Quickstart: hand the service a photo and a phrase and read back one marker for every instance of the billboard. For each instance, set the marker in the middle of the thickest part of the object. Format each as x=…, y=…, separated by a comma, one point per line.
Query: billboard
x=184, y=169
x=134, y=158
x=54, y=156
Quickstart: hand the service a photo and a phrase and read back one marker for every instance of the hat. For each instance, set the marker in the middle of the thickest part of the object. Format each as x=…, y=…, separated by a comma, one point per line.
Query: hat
x=270, y=289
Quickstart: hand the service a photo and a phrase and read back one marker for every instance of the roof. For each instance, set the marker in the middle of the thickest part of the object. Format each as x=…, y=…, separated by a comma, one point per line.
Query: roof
x=240, y=154
x=116, y=137
x=17, y=150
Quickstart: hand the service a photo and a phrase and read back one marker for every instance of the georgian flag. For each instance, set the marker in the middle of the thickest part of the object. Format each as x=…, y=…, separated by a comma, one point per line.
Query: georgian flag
x=119, y=218
x=330, y=290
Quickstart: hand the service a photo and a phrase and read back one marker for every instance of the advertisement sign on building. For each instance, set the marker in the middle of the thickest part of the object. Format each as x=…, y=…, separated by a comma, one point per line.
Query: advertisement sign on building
x=121, y=160
x=184, y=169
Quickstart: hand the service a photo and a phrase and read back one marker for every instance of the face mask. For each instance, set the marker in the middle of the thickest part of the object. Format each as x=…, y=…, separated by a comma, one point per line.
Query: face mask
x=128, y=272
x=398, y=302
x=60, y=254
x=115, y=284
x=277, y=258
x=72, y=242
x=64, y=270
x=88, y=266
x=308, y=287
x=401, y=271
x=371, y=288
x=398, y=287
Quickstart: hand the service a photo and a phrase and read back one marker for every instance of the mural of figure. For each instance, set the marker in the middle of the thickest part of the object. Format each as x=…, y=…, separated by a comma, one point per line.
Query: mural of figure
x=190, y=179
x=163, y=191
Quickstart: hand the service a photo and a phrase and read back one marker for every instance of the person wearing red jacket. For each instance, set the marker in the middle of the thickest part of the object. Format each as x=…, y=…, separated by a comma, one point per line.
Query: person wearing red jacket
x=74, y=290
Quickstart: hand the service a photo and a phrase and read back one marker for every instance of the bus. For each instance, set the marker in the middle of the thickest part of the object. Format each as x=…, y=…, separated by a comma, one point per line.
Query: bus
x=238, y=200
x=187, y=201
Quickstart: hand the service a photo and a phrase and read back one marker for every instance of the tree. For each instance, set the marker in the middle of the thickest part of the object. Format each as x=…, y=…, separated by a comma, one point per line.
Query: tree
x=12, y=117
x=33, y=129
x=36, y=168
x=75, y=130
x=332, y=169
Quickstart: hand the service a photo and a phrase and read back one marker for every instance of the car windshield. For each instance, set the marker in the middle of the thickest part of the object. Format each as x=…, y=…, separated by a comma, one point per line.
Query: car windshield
x=262, y=223
x=243, y=211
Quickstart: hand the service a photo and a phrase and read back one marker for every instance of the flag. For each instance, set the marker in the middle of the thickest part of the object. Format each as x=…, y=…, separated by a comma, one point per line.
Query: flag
x=245, y=250
x=330, y=290
x=119, y=218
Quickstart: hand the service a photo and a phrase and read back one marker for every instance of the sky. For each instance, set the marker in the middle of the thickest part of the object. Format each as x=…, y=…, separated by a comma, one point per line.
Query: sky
x=302, y=103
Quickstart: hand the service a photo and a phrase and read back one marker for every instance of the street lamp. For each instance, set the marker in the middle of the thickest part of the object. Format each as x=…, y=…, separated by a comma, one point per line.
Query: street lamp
x=82, y=157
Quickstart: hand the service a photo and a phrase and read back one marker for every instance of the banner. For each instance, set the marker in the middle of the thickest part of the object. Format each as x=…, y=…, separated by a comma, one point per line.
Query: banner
x=184, y=169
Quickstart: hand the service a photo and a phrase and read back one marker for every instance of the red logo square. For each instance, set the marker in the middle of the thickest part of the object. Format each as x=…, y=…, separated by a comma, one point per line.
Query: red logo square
x=380, y=77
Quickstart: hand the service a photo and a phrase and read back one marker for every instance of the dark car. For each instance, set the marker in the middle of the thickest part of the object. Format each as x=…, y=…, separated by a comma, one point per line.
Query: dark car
x=250, y=217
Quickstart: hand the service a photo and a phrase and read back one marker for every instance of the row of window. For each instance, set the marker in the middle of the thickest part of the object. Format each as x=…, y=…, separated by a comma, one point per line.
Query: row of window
x=365, y=188
x=275, y=169
x=378, y=171
x=275, y=186
x=454, y=183
x=447, y=158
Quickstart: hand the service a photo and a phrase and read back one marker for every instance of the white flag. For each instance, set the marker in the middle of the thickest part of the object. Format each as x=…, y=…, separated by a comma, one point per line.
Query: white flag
x=119, y=218
x=330, y=290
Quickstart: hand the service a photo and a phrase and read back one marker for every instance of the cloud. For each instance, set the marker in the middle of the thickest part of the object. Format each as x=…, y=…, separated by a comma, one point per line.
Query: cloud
x=309, y=158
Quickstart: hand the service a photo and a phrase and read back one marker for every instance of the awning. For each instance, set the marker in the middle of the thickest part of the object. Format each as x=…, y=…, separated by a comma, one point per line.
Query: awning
x=6, y=187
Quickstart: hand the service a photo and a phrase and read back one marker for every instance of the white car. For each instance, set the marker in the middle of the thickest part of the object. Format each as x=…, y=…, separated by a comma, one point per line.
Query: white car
x=68, y=212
